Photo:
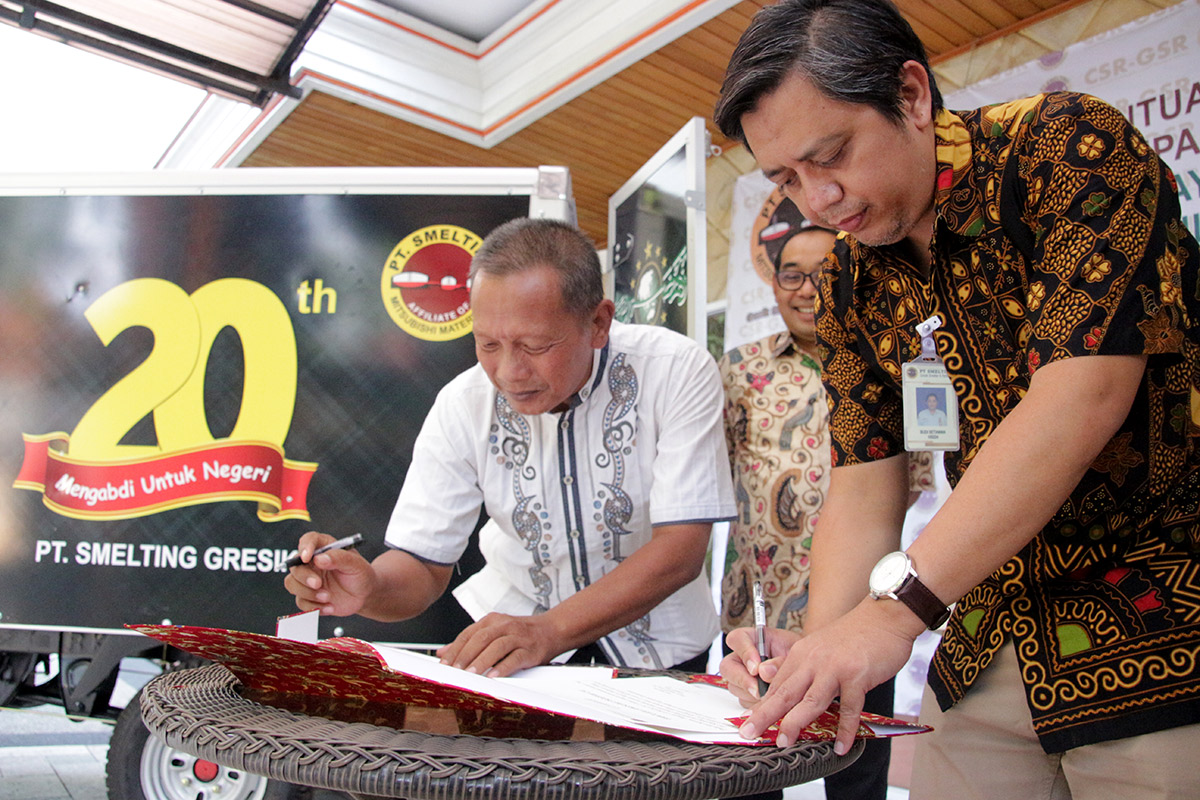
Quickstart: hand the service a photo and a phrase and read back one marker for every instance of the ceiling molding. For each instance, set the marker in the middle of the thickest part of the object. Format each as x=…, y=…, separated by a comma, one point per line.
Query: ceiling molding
x=208, y=137
x=480, y=93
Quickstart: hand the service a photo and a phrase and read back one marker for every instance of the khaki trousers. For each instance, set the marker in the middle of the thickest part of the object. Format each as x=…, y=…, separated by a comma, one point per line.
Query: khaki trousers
x=984, y=748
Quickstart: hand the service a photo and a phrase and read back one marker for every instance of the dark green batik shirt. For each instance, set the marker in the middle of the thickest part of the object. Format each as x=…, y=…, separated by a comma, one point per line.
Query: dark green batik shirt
x=1057, y=235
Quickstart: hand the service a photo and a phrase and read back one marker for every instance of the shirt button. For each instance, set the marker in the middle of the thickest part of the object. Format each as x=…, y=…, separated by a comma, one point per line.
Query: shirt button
x=574, y=534
x=565, y=424
x=568, y=480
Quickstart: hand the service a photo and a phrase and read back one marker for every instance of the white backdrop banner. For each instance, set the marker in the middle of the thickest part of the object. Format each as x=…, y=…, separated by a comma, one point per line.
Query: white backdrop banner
x=1149, y=69
x=751, y=312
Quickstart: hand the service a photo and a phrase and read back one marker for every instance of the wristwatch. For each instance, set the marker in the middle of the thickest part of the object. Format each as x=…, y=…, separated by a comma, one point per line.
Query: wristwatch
x=894, y=576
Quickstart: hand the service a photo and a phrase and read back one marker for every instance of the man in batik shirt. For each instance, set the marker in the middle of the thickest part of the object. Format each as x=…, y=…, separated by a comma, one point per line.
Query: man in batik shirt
x=776, y=428
x=776, y=424
x=1045, y=237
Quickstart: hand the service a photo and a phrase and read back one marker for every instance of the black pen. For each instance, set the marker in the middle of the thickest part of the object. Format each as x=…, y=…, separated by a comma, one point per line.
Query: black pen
x=340, y=544
x=760, y=631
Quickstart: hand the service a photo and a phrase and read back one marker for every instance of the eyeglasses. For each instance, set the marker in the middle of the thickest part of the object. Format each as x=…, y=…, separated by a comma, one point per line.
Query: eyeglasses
x=793, y=280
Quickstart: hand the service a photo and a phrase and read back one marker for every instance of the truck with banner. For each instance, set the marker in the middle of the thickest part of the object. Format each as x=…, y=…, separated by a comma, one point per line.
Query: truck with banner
x=197, y=368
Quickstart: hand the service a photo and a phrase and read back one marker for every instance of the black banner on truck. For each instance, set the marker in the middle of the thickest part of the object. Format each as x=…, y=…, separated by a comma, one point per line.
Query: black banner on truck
x=190, y=382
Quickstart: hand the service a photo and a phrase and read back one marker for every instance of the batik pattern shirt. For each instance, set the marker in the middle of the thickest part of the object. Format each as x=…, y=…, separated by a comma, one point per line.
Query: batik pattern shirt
x=570, y=495
x=1057, y=235
x=776, y=426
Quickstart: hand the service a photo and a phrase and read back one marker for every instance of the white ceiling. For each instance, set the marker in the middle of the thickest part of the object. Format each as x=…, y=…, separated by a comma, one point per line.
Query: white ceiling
x=471, y=19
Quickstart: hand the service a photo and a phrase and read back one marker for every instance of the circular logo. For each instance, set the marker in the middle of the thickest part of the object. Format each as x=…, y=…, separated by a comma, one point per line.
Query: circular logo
x=778, y=221
x=1059, y=83
x=424, y=283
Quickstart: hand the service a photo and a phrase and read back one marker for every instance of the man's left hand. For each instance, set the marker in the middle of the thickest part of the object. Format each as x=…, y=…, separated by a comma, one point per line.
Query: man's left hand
x=498, y=645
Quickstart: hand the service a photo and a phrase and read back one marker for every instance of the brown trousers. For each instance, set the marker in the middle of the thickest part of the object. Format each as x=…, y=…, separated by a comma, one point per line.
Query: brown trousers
x=984, y=748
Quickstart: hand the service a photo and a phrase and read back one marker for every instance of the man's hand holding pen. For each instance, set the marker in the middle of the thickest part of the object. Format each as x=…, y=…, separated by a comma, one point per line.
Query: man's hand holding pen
x=338, y=544
x=806, y=673
x=331, y=575
x=749, y=664
x=745, y=666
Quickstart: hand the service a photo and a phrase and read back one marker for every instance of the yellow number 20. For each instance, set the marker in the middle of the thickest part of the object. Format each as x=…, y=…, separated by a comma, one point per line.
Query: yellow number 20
x=170, y=383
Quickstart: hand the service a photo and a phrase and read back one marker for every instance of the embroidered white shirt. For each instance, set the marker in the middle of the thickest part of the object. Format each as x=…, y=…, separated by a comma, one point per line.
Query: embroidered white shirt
x=569, y=495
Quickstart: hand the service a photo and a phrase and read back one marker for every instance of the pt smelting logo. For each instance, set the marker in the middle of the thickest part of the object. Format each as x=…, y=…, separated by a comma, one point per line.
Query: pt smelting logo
x=424, y=283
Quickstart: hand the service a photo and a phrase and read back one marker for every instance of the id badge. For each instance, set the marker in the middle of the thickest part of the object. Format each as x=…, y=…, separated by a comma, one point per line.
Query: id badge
x=930, y=406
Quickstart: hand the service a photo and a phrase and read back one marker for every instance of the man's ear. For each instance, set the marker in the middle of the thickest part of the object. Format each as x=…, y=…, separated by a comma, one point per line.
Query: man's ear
x=916, y=99
x=601, y=321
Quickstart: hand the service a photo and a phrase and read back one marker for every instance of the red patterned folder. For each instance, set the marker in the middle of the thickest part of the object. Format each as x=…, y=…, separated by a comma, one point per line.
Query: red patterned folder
x=354, y=681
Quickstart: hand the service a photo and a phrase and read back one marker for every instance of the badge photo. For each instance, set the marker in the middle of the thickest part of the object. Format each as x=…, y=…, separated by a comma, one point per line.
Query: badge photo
x=930, y=407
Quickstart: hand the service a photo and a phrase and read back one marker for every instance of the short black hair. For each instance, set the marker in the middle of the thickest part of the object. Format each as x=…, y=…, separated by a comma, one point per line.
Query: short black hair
x=850, y=50
x=526, y=242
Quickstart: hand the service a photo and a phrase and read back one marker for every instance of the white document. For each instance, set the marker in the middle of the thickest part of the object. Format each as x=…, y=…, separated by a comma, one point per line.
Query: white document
x=691, y=711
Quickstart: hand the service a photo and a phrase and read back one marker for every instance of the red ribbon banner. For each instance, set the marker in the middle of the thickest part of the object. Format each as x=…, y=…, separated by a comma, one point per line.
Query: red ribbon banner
x=215, y=473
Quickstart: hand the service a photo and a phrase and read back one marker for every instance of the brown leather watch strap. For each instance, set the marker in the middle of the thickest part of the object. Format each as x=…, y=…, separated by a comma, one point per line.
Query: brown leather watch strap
x=924, y=603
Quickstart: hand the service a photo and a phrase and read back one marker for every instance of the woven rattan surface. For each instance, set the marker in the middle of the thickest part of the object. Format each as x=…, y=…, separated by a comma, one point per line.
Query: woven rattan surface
x=200, y=712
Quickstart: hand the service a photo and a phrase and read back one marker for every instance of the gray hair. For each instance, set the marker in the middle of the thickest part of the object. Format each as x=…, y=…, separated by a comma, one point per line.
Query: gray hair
x=524, y=243
x=849, y=50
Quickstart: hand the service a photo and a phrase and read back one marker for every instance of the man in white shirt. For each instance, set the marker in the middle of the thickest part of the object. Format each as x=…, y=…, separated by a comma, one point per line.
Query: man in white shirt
x=596, y=449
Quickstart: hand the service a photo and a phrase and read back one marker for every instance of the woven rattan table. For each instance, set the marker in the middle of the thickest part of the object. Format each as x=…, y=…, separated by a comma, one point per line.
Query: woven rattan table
x=201, y=712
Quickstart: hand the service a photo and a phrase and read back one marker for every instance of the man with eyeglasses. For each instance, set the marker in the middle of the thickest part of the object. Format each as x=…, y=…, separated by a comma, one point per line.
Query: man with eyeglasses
x=776, y=425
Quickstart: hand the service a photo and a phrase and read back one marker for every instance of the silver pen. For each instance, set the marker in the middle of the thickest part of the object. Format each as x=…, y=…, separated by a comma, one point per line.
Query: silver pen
x=340, y=544
x=760, y=631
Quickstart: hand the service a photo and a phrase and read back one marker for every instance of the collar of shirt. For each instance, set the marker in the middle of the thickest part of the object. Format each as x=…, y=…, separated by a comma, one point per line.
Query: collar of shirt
x=780, y=342
x=599, y=362
x=955, y=190
x=958, y=200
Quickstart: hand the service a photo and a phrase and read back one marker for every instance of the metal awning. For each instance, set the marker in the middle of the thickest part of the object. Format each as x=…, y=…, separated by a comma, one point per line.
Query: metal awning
x=239, y=48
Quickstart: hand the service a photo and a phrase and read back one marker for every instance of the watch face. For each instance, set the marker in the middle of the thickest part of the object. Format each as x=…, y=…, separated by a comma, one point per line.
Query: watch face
x=889, y=573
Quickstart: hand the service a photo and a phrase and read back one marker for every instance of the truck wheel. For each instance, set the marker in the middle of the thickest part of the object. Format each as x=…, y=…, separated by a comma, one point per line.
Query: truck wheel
x=141, y=767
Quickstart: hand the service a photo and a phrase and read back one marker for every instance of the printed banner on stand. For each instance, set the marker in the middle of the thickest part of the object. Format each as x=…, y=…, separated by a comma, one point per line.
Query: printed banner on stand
x=1147, y=69
x=751, y=312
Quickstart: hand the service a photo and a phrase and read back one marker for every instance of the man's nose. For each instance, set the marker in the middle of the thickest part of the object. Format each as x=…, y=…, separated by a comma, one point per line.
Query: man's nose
x=821, y=195
x=512, y=366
